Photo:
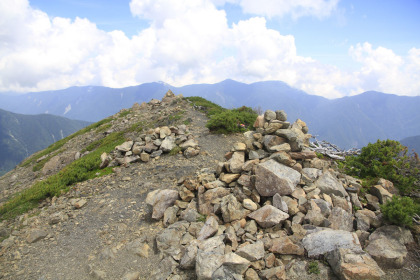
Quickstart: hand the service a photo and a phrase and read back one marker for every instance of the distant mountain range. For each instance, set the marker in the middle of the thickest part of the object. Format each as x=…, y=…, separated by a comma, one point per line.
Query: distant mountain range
x=347, y=122
x=413, y=143
x=23, y=135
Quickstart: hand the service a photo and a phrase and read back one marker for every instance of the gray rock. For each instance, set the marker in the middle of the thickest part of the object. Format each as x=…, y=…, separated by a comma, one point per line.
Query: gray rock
x=310, y=174
x=252, y=252
x=191, y=152
x=388, y=252
x=139, y=248
x=320, y=242
x=292, y=205
x=169, y=216
x=164, y=132
x=381, y=193
x=281, y=156
x=166, y=267
x=232, y=209
x=235, y=263
x=402, y=235
x=144, y=157
x=269, y=115
x=268, y=216
x=169, y=240
x=270, y=141
x=350, y=264
x=157, y=153
x=249, y=204
x=281, y=115
x=210, y=257
x=125, y=147
x=279, y=203
x=36, y=235
x=209, y=229
x=191, y=143
x=314, y=216
x=258, y=154
x=189, y=257
x=168, y=144
x=161, y=200
x=273, y=177
x=273, y=126
x=324, y=206
x=285, y=246
x=277, y=272
x=341, y=219
x=329, y=184
x=236, y=162
x=354, y=198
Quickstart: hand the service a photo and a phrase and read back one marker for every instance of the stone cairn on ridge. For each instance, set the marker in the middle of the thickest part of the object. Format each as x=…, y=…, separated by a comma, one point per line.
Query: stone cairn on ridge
x=271, y=205
x=153, y=143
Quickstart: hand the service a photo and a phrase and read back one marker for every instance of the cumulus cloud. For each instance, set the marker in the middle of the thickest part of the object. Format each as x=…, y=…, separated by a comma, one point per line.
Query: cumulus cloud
x=184, y=44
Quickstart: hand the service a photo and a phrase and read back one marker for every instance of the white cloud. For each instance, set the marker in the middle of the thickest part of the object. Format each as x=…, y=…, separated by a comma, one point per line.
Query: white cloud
x=184, y=44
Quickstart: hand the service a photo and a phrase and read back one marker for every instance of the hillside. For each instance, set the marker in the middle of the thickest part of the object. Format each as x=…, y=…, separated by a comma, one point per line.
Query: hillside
x=413, y=143
x=23, y=135
x=150, y=193
x=347, y=122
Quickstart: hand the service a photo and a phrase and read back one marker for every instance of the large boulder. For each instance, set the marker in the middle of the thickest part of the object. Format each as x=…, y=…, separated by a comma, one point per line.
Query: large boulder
x=329, y=184
x=350, y=264
x=323, y=241
x=388, y=252
x=273, y=177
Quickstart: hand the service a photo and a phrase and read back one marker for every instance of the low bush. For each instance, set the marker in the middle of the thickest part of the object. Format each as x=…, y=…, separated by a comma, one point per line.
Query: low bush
x=400, y=210
x=313, y=268
x=230, y=121
x=386, y=159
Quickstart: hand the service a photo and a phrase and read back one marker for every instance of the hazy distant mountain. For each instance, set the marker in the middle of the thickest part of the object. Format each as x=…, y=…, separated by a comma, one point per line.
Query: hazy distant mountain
x=413, y=143
x=348, y=122
x=22, y=135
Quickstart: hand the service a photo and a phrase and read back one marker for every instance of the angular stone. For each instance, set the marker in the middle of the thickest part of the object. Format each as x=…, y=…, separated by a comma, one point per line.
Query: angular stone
x=210, y=257
x=271, y=141
x=188, y=259
x=279, y=203
x=341, y=219
x=259, y=122
x=232, y=210
x=269, y=115
x=186, y=194
x=388, y=252
x=168, y=144
x=281, y=115
x=329, y=184
x=258, y=154
x=381, y=193
x=304, y=155
x=388, y=185
x=278, y=272
x=161, y=200
x=268, y=216
x=273, y=126
x=169, y=216
x=235, y=263
x=283, y=157
x=310, y=174
x=209, y=229
x=191, y=152
x=292, y=205
x=251, y=274
x=314, y=215
x=402, y=235
x=273, y=177
x=349, y=264
x=228, y=177
x=169, y=240
x=323, y=241
x=324, y=206
x=191, y=143
x=236, y=162
x=36, y=235
x=144, y=157
x=252, y=252
x=125, y=147
x=285, y=246
x=164, y=132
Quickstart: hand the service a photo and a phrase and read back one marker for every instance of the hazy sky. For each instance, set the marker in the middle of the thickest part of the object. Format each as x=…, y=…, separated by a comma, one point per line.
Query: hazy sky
x=331, y=48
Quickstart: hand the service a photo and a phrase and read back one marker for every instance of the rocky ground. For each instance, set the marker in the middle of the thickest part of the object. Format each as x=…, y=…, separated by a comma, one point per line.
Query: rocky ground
x=103, y=228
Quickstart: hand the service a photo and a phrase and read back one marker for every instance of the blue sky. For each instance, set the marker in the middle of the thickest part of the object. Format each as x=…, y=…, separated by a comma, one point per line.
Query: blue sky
x=330, y=48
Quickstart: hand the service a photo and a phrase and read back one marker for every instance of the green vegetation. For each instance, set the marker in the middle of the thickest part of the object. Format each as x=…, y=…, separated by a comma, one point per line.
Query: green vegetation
x=230, y=121
x=313, y=268
x=385, y=159
x=208, y=107
x=175, y=150
x=125, y=113
x=80, y=170
x=176, y=117
x=400, y=210
x=202, y=218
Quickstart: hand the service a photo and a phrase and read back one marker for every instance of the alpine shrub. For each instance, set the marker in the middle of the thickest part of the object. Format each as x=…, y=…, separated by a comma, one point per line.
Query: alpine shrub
x=400, y=210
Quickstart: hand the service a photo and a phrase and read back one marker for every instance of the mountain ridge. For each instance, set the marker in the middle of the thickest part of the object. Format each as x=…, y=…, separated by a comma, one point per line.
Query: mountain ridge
x=348, y=122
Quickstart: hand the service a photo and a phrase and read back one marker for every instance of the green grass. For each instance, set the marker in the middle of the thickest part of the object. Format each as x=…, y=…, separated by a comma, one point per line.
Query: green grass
x=175, y=150
x=208, y=107
x=80, y=170
x=60, y=143
x=124, y=113
x=313, y=267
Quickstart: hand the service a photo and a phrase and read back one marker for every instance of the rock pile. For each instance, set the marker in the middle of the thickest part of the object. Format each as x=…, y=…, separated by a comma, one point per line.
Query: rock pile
x=270, y=204
x=152, y=145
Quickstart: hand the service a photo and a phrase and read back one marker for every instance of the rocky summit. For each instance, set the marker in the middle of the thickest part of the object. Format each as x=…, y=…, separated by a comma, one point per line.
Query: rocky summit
x=183, y=203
